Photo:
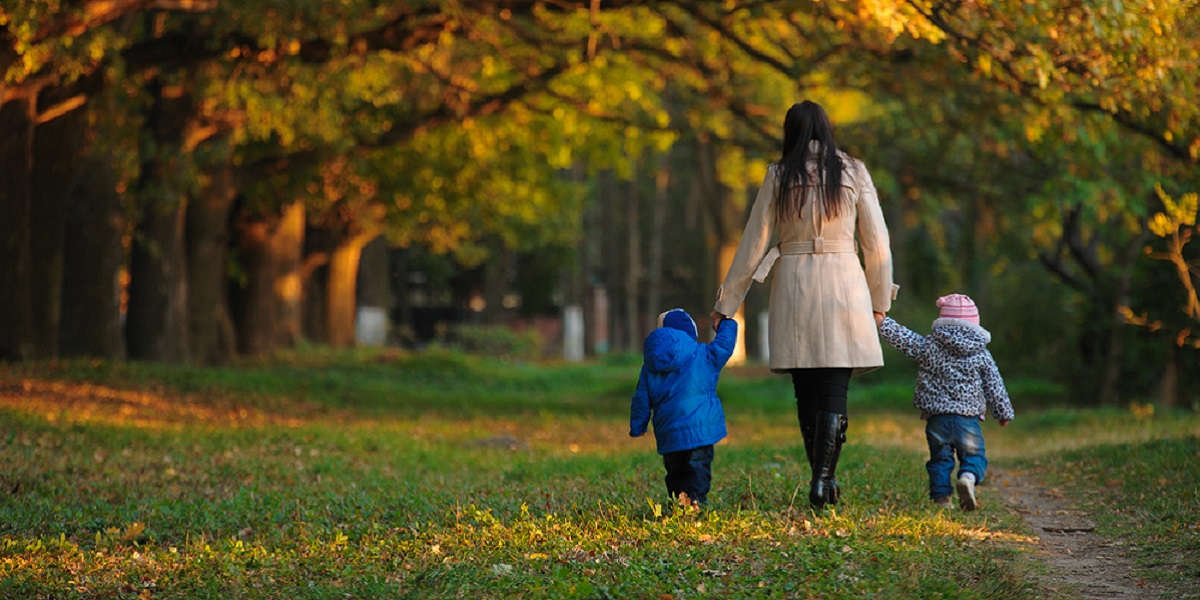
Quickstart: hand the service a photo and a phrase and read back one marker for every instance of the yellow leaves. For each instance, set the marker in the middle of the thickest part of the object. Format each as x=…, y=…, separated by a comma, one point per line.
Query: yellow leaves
x=632, y=91
x=1140, y=411
x=133, y=531
x=985, y=65
x=1033, y=131
x=1177, y=214
x=1161, y=225
x=655, y=508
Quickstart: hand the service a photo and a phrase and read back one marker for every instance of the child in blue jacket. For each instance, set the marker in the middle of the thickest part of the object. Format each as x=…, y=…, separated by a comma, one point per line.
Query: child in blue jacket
x=677, y=389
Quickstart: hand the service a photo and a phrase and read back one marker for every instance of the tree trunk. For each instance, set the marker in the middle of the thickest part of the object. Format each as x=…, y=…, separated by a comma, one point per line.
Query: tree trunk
x=402, y=313
x=1124, y=266
x=374, y=294
x=610, y=261
x=314, y=319
x=724, y=260
x=251, y=302
x=16, y=167
x=374, y=285
x=340, y=297
x=496, y=282
x=658, y=211
x=210, y=325
x=633, y=266
x=727, y=223
x=287, y=244
x=56, y=148
x=266, y=304
x=92, y=259
x=319, y=244
x=156, y=326
x=1168, y=383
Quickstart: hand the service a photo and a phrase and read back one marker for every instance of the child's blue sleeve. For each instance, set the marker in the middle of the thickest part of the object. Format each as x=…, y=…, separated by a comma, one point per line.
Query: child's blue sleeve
x=901, y=338
x=639, y=408
x=723, y=344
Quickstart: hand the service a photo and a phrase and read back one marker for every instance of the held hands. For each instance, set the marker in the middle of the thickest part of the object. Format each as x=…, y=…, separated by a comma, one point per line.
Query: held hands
x=879, y=318
x=715, y=319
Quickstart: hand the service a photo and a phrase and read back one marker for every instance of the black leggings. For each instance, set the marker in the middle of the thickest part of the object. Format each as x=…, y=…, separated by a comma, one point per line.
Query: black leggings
x=820, y=390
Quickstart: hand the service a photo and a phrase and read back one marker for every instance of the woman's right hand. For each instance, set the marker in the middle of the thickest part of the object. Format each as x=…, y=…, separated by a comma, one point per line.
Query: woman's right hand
x=879, y=318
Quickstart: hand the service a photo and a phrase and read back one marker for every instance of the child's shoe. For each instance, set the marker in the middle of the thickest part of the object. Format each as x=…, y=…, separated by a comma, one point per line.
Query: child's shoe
x=943, y=502
x=966, y=492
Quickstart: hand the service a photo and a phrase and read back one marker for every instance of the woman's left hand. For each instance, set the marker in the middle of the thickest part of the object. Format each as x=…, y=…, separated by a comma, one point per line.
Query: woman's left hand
x=715, y=319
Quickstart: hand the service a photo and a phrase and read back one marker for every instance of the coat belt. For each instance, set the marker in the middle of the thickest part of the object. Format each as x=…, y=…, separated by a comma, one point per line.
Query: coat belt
x=813, y=246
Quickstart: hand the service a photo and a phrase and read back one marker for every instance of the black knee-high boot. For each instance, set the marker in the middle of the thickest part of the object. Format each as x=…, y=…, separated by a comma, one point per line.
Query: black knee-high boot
x=830, y=435
x=808, y=430
x=833, y=491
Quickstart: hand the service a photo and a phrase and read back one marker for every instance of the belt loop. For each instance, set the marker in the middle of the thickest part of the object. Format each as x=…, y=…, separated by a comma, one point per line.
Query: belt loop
x=819, y=245
x=764, y=267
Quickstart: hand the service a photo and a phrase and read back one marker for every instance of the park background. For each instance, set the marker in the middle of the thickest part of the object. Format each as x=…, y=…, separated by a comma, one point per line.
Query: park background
x=335, y=221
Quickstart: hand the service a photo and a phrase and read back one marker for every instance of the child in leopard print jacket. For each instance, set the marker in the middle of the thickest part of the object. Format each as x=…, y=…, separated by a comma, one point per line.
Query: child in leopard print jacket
x=957, y=381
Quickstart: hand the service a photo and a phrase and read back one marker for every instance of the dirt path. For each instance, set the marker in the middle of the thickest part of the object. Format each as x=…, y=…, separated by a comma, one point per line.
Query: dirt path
x=1082, y=564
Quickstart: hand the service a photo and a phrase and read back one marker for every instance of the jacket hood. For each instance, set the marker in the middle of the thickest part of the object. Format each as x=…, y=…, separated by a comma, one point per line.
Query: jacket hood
x=960, y=338
x=667, y=349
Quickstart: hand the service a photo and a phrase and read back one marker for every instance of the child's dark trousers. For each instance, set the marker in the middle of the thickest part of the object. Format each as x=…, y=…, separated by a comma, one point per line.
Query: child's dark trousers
x=690, y=472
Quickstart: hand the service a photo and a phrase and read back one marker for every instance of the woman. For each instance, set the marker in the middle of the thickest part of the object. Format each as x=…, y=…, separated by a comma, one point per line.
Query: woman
x=822, y=324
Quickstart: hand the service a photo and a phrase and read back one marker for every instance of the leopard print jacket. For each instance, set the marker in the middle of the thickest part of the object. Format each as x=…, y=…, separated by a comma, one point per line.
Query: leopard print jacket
x=956, y=373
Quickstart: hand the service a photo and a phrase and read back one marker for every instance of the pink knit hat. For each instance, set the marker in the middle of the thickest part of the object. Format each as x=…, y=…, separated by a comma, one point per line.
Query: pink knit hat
x=958, y=306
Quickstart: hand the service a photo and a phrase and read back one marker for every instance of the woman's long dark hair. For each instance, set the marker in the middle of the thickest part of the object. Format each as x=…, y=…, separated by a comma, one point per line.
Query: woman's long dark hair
x=806, y=122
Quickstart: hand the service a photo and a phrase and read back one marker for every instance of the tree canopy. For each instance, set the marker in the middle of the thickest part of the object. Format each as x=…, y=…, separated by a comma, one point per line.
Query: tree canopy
x=1005, y=136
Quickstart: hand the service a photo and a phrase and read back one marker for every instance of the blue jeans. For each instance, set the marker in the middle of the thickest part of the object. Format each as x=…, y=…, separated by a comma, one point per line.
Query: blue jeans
x=690, y=471
x=949, y=435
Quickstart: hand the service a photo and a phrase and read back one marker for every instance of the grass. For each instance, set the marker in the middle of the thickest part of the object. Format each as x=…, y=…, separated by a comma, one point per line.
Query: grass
x=440, y=475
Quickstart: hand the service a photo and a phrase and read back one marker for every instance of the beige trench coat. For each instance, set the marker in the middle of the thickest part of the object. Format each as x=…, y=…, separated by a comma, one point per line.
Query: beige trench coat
x=821, y=301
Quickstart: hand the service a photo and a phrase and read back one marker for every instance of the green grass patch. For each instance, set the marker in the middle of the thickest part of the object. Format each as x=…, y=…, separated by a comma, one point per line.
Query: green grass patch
x=429, y=475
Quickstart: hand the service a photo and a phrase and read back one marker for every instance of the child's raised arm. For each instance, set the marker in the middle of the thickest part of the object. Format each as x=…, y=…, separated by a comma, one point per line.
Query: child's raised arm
x=901, y=338
x=723, y=344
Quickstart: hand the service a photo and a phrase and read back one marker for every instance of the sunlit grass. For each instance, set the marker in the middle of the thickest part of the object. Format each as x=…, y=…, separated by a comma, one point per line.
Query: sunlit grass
x=443, y=475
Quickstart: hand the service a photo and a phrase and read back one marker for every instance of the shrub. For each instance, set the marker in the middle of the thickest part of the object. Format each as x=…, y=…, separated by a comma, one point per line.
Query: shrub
x=492, y=340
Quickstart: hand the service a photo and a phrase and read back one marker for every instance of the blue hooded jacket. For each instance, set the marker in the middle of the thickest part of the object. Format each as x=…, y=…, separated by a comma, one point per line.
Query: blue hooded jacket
x=678, y=386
